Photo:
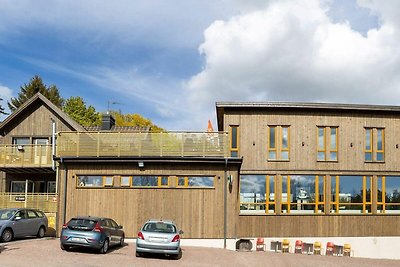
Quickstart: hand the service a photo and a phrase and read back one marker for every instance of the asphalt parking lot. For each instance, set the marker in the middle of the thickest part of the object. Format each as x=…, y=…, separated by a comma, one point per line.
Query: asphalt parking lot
x=46, y=252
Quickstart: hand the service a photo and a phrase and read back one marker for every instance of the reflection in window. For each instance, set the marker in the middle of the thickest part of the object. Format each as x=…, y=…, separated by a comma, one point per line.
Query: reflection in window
x=195, y=181
x=90, y=181
x=303, y=194
x=144, y=181
x=234, y=134
x=327, y=149
x=253, y=192
x=108, y=181
x=278, y=142
x=351, y=194
x=389, y=187
x=125, y=180
x=374, y=145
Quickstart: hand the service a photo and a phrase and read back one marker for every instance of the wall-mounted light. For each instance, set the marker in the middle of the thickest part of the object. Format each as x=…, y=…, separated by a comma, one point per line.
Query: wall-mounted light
x=351, y=144
x=230, y=179
x=20, y=148
x=141, y=164
x=254, y=143
x=397, y=145
x=302, y=144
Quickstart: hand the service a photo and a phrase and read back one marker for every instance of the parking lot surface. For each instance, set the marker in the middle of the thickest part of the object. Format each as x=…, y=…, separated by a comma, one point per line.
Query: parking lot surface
x=47, y=252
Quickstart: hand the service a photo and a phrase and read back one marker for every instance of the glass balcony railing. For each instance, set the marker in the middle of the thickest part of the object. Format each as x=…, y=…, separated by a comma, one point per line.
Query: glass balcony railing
x=14, y=156
x=171, y=144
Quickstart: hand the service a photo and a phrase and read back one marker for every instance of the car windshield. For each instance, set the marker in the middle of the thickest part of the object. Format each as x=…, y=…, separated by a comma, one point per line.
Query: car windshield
x=85, y=224
x=159, y=227
x=6, y=214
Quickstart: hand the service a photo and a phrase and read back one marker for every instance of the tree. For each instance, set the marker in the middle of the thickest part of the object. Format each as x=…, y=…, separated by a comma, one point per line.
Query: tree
x=76, y=108
x=36, y=85
x=2, y=108
x=135, y=120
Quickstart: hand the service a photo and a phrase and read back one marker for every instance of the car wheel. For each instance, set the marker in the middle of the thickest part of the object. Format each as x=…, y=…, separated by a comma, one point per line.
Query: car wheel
x=7, y=235
x=105, y=246
x=122, y=241
x=177, y=256
x=66, y=248
x=41, y=232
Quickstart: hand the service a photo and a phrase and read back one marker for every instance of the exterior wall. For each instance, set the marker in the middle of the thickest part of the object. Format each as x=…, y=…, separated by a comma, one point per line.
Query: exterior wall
x=253, y=142
x=35, y=124
x=303, y=128
x=199, y=212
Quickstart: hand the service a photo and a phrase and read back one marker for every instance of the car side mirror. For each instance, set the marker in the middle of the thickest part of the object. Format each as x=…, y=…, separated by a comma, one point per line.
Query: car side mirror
x=181, y=232
x=17, y=218
x=119, y=227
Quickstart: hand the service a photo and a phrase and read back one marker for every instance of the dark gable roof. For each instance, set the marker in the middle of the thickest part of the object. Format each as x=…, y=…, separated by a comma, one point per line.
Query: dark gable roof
x=292, y=106
x=39, y=97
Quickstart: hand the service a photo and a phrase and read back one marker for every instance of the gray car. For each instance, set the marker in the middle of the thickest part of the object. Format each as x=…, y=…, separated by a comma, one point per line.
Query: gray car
x=159, y=236
x=21, y=223
x=92, y=232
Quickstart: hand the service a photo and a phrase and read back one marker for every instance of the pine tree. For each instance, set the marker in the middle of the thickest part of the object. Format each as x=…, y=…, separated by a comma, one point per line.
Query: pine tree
x=34, y=86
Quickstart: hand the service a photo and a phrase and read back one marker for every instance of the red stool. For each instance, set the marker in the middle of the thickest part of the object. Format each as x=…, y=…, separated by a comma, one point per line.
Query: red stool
x=329, y=248
x=298, y=247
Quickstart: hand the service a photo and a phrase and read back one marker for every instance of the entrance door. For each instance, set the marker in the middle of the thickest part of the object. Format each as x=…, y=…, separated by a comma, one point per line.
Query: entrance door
x=41, y=150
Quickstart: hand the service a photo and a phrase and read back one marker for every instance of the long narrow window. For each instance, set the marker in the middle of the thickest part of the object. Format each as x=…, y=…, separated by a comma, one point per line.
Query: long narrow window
x=374, y=150
x=195, y=181
x=327, y=148
x=278, y=142
x=234, y=138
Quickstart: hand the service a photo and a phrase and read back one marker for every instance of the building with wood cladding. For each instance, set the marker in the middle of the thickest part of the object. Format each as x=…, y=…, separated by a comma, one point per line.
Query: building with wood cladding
x=315, y=170
x=271, y=170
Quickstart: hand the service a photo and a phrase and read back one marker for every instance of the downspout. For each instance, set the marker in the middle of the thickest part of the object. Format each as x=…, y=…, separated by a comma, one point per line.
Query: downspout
x=53, y=145
x=65, y=192
x=225, y=200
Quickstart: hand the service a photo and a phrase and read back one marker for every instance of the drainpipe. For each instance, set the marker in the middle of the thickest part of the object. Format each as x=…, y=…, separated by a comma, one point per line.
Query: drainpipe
x=53, y=143
x=65, y=193
x=225, y=200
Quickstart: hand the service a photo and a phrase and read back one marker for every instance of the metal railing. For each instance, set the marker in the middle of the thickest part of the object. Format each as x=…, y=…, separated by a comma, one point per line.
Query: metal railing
x=44, y=202
x=25, y=156
x=180, y=144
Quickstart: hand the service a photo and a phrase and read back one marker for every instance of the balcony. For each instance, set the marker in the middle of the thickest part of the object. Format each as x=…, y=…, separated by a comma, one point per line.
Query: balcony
x=25, y=156
x=114, y=144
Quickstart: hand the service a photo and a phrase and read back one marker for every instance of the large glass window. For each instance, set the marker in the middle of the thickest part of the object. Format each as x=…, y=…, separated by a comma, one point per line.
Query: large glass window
x=234, y=137
x=374, y=150
x=278, y=142
x=389, y=194
x=303, y=194
x=351, y=194
x=257, y=194
x=327, y=148
x=90, y=181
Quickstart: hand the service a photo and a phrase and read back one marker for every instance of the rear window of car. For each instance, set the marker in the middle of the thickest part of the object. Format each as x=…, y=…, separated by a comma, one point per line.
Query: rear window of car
x=159, y=227
x=81, y=224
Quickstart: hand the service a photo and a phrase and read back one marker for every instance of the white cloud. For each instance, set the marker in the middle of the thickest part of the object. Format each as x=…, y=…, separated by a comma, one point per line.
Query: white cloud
x=5, y=94
x=292, y=51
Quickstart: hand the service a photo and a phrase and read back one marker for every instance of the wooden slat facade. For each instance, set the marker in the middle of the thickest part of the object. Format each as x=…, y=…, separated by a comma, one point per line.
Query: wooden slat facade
x=199, y=212
x=253, y=123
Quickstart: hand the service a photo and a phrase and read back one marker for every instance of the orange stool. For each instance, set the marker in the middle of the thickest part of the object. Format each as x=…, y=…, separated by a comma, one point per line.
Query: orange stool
x=329, y=248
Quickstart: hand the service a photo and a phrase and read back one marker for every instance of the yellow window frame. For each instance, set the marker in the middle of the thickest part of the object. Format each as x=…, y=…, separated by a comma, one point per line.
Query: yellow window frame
x=160, y=179
x=268, y=192
x=234, y=149
x=130, y=180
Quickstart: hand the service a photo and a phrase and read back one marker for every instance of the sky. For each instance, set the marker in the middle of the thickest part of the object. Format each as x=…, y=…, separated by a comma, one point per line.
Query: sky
x=170, y=61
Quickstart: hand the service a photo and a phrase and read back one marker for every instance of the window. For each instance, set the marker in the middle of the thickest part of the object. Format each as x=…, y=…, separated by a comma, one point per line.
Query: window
x=108, y=181
x=303, y=194
x=51, y=186
x=234, y=137
x=126, y=181
x=19, y=187
x=388, y=194
x=90, y=181
x=278, y=142
x=351, y=194
x=195, y=181
x=21, y=141
x=327, y=148
x=374, y=145
x=257, y=194
x=145, y=181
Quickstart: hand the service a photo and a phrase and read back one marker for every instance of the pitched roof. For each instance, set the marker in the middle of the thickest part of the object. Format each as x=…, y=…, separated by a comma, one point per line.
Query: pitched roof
x=39, y=97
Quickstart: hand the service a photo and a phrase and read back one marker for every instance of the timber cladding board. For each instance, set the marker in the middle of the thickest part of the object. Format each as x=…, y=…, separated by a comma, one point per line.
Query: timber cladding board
x=318, y=226
x=197, y=211
x=253, y=138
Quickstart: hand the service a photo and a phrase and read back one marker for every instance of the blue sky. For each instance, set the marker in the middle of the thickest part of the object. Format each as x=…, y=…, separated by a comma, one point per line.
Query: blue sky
x=172, y=60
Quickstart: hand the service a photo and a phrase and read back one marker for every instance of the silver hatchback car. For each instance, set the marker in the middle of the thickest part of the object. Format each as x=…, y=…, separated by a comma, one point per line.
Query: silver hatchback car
x=21, y=222
x=159, y=236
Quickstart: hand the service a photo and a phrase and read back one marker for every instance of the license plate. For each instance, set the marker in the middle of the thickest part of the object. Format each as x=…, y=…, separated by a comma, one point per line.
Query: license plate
x=77, y=239
x=157, y=239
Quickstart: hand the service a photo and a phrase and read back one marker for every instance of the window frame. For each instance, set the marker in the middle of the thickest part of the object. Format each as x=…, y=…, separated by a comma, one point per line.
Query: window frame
x=373, y=141
x=278, y=149
x=234, y=151
x=326, y=148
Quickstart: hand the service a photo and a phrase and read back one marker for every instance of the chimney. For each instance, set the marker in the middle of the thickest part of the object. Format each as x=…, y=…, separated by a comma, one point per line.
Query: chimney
x=107, y=122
